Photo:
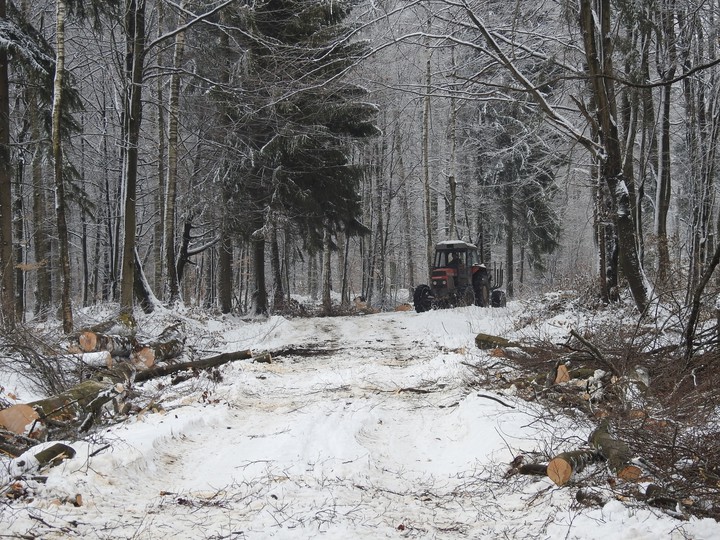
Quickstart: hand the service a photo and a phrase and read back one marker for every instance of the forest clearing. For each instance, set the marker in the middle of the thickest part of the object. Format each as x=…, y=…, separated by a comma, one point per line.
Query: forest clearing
x=388, y=425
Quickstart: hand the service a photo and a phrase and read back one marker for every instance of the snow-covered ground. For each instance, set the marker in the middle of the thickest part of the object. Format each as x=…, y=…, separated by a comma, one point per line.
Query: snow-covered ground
x=377, y=434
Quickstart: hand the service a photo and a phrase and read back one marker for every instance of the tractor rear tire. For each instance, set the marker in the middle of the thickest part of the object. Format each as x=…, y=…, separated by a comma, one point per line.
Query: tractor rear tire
x=482, y=294
x=422, y=298
x=498, y=298
x=467, y=298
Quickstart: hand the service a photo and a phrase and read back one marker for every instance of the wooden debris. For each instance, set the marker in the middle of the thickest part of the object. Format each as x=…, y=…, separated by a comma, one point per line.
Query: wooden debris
x=169, y=344
x=116, y=345
x=488, y=341
x=563, y=466
x=205, y=363
x=616, y=452
x=19, y=418
x=54, y=455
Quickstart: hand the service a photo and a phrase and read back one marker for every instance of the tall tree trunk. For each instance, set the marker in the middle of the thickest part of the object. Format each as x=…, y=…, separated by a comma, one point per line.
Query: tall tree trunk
x=429, y=244
x=408, y=231
x=509, y=232
x=171, y=184
x=225, y=270
x=135, y=27
x=662, y=200
x=278, y=294
x=598, y=52
x=159, y=229
x=326, y=272
x=260, y=296
x=19, y=222
x=452, y=181
x=41, y=234
x=64, y=245
x=7, y=294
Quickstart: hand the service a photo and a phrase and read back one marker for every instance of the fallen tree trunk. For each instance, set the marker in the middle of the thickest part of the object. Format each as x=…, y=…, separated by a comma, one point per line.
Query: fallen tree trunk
x=169, y=344
x=617, y=453
x=91, y=341
x=563, y=466
x=205, y=363
x=488, y=341
x=64, y=407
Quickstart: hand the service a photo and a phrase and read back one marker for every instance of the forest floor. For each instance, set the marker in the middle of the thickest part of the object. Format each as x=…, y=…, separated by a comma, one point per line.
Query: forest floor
x=370, y=426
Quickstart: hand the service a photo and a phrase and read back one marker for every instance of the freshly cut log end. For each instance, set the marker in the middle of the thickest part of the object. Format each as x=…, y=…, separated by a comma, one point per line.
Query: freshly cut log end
x=559, y=471
x=562, y=375
x=18, y=418
x=562, y=467
x=631, y=473
x=88, y=341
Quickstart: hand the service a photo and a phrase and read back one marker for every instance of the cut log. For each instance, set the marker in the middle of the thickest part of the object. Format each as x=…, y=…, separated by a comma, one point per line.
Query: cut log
x=90, y=341
x=488, y=341
x=205, y=363
x=33, y=460
x=169, y=344
x=54, y=455
x=65, y=405
x=19, y=418
x=561, y=467
x=617, y=453
x=86, y=397
x=534, y=469
x=98, y=359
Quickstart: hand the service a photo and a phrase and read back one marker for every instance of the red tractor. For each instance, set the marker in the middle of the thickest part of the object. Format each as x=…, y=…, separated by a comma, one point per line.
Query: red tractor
x=458, y=278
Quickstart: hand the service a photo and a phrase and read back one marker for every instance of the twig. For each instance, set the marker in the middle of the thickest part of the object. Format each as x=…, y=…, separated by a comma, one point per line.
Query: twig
x=496, y=399
x=595, y=352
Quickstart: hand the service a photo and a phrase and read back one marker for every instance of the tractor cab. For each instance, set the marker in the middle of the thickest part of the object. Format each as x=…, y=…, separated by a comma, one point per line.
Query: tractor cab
x=454, y=262
x=458, y=278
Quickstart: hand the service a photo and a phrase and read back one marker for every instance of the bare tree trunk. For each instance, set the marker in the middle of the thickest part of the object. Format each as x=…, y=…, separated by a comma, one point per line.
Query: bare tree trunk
x=64, y=245
x=452, y=182
x=429, y=244
x=159, y=229
x=171, y=184
x=278, y=294
x=327, y=278
x=259, y=297
x=19, y=223
x=135, y=27
x=408, y=232
x=662, y=201
x=225, y=271
x=599, y=60
x=509, y=235
x=41, y=236
x=7, y=294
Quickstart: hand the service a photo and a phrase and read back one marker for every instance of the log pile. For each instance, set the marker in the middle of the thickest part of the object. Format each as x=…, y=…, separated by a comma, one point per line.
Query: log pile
x=168, y=345
x=115, y=363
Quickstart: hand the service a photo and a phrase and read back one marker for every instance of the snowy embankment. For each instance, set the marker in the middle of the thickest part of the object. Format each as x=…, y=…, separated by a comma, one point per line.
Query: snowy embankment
x=369, y=429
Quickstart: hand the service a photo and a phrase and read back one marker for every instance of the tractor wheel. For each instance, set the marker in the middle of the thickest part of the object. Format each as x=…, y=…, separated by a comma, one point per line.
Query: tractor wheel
x=467, y=298
x=422, y=298
x=482, y=294
x=498, y=298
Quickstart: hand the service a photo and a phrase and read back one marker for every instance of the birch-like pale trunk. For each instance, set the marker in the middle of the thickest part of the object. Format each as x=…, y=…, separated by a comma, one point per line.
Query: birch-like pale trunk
x=63, y=243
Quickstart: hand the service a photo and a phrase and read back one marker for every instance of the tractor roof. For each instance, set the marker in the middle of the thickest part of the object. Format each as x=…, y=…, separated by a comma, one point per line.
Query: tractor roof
x=448, y=245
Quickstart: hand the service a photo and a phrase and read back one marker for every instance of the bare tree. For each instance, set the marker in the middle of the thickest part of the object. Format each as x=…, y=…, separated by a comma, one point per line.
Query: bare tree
x=7, y=295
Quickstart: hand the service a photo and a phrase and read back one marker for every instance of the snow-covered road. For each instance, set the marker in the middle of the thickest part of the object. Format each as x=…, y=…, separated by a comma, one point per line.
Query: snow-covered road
x=364, y=427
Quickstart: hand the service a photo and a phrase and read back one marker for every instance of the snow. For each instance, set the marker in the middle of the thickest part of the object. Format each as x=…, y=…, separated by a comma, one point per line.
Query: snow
x=378, y=434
